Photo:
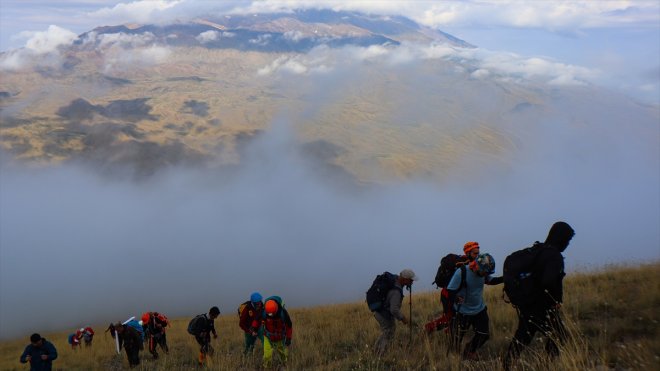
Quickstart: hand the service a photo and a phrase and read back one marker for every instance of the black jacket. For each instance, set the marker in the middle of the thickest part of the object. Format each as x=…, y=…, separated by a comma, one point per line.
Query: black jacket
x=549, y=269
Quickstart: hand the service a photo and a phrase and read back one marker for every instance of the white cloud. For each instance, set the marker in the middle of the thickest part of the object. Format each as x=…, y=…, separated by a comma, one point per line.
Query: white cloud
x=261, y=40
x=294, y=36
x=145, y=11
x=41, y=49
x=484, y=63
x=41, y=42
x=208, y=36
x=118, y=58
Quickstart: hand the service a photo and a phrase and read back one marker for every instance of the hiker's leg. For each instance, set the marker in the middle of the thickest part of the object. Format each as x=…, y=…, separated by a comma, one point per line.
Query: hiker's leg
x=249, y=343
x=459, y=327
x=163, y=343
x=387, y=328
x=555, y=331
x=523, y=336
x=268, y=353
x=283, y=351
x=480, y=323
x=152, y=346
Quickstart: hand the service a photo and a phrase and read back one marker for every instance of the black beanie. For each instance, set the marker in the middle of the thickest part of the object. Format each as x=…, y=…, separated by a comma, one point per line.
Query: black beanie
x=560, y=235
x=34, y=338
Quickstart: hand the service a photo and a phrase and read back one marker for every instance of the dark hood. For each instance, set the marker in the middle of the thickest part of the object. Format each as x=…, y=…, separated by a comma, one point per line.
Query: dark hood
x=560, y=235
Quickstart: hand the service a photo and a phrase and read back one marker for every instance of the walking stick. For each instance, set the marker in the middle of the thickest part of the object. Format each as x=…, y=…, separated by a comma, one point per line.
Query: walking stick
x=410, y=313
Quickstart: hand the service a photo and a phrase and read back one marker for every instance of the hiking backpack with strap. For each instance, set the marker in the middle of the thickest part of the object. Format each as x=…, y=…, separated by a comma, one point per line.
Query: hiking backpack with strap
x=377, y=293
x=518, y=275
x=448, y=265
x=242, y=307
x=137, y=326
x=196, y=325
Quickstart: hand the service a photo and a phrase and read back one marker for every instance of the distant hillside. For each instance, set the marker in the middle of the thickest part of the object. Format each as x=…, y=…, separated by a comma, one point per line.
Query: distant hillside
x=395, y=100
x=611, y=315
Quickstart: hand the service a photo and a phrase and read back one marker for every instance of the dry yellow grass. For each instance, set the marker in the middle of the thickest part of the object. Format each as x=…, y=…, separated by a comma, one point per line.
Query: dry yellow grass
x=611, y=313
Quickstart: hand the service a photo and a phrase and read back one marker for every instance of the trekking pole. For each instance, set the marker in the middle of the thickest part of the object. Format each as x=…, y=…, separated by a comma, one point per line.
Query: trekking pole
x=410, y=313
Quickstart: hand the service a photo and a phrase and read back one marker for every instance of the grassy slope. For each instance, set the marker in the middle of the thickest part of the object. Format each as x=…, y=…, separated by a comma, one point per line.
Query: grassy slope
x=612, y=315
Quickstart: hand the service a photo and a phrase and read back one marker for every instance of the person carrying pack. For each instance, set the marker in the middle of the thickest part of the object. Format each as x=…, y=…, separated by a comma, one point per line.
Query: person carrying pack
x=154, y=324
x=277, y=330
x=384, y=299
x=533, y=280
x=448, y=265
x=201, y=327
x=87, y=334
x=250, y=312
x=130, y=338
x=73, y=340
x=466, y=292
x=40, y=354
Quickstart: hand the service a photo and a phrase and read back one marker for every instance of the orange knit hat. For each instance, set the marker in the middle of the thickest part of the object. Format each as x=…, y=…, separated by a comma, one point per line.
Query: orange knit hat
x=470, y=246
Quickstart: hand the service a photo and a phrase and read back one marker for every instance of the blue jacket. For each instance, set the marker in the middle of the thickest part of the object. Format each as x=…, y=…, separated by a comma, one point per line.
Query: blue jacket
x=37, y=364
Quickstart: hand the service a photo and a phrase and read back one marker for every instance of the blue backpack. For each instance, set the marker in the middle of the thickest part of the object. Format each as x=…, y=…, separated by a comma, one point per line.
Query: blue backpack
x=136, y=325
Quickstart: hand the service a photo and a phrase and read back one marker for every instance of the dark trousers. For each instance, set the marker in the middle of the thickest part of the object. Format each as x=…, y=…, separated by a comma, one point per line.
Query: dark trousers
x=133, y=355
x=155, y=340
x=204, y=340
x=461, y=323
x=531, y=321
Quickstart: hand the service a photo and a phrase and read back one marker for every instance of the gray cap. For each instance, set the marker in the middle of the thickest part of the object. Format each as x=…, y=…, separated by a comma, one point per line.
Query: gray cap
x=409, y=274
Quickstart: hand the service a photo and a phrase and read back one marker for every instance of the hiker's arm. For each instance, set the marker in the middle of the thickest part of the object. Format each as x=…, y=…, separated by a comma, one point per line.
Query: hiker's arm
x=52, y=352
x=394, y=298
x=25, y=355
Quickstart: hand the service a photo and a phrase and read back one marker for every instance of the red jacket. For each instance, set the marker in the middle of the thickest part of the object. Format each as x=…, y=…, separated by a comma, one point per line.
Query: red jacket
x=250, y=318
x=277, y=327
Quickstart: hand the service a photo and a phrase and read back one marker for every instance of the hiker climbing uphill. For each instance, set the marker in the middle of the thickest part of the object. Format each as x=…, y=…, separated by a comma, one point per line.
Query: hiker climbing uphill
x=533, y=282
x=40, y=354
x=448, y=265
x=277, y=330
x=384, y=299
x=201, y=327
x=155, y=324
x=130, y=338
x=466, y=292
x=249, y=313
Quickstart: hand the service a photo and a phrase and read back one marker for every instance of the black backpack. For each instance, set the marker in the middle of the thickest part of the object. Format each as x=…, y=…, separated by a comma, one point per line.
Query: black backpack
x=447, y=267
x=377, y=293
x=519, y=276
x=197, y=324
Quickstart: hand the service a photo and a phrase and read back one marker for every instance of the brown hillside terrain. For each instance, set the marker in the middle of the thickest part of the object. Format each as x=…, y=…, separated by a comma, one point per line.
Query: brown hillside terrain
x=611, y=313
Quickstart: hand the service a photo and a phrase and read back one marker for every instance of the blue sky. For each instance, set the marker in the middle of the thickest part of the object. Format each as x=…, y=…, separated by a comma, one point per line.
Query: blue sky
x=618, y=40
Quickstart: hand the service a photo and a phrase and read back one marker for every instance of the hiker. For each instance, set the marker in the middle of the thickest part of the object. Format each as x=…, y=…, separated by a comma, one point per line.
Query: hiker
x=389, y=311
x=40, y=353
x=154, y=324
x=73, y=340
x=86, y=334
x=448, y=266
x=250, y=313
x=130, y=338
x=466, y=292
x=541, y=311
x=277, y=330
x=201, y=327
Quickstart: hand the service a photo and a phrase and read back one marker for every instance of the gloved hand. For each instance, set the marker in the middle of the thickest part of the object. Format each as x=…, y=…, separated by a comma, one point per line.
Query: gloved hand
x=287, y=342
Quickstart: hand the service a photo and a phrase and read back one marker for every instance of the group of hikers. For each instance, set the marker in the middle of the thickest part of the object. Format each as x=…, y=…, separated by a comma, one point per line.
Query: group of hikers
x=533, y=284
x=532, y=277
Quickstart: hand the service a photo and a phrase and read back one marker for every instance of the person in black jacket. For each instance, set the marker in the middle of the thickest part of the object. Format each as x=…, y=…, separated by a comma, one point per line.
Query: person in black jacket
x=202, y=328
x=40, y=353
x=131, y=340
x=543, y=312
